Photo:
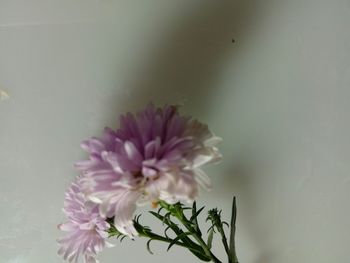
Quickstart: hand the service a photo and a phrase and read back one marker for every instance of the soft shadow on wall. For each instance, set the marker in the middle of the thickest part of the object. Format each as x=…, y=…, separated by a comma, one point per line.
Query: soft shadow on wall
x=185, y=68
x=241, y=177
x=186, y=62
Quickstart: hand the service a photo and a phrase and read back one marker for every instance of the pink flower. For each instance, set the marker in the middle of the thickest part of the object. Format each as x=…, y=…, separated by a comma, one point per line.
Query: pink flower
x=155, y=155
x=86, y=229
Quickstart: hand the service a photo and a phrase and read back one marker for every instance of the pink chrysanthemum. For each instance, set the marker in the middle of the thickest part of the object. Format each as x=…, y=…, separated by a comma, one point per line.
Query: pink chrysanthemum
x=155, y=155
x=86, y=229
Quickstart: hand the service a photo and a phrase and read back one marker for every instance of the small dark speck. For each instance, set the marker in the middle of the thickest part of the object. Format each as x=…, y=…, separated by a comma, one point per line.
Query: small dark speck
x=233, y=40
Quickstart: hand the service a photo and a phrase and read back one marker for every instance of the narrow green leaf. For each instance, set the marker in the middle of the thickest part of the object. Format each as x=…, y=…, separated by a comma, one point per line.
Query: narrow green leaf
x=186, y=240
x=194, y=208
x=194, y=216
x=210, y=238
x=166, y=217
x=179, y=237
x=201, y=256
x=160, y=217
x=211, y=228
x=137, y=218
x=148, y=246
x=233, y=232
x=226, y=224
x=165, y=231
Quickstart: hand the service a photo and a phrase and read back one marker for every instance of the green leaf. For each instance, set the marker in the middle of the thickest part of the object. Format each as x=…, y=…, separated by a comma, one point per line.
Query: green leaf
x=179, y=237
x=148, y=246
x=160, y=217
x=177, y=211
x=211, y=228
x=165, y=231
x=166, y=217
x=137, y=218
x=194, y=207
x=233, y=231
x=201, y=256
x=194, y=216
x=210, y=238
x=193, y=220
x=226, y=224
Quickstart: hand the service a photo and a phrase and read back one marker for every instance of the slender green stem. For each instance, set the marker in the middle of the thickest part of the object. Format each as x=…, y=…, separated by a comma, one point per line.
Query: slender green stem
x=199, y=239
x=234, y=258
x=191, y=238
x=167, y=240
x=196, y=249
x=224, y=242
x=195, y=232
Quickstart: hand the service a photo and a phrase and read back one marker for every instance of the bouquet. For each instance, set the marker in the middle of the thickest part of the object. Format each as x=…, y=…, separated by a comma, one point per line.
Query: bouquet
x=155, y=158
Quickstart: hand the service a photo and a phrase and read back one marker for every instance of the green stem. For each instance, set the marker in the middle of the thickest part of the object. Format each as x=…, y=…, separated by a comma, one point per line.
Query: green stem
x=233, y=232
x=194, y=248
x=178, y=213
x=167, y=240
x=199, y=239
x=224, y=242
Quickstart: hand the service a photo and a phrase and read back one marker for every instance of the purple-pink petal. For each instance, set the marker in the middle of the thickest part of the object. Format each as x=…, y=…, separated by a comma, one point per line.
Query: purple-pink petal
x=85, y=229
x=156, y=154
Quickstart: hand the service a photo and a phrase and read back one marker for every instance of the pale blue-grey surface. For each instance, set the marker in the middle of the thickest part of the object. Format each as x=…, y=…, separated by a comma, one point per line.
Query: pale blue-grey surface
x=278, y=95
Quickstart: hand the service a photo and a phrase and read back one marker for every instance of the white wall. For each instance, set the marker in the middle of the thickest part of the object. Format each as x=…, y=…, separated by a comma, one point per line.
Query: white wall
x=279, y=96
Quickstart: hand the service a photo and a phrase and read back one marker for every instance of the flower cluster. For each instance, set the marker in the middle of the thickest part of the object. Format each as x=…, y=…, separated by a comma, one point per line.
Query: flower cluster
x=86, y=228
x=155, y=155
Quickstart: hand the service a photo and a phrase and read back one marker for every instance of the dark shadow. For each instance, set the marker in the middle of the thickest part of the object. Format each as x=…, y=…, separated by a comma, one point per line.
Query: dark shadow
x=185, y=69
x=186, y=63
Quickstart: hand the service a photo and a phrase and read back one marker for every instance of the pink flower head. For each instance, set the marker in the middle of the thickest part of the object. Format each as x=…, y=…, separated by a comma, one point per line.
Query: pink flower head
x=86, y=229
x=155, y=155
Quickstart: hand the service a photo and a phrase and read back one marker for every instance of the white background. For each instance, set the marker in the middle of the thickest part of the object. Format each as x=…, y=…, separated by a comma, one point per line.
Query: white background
x=279, y=96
